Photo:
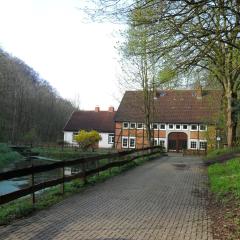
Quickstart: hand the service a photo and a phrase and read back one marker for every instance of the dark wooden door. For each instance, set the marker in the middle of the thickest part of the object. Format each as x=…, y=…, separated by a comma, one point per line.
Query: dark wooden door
x=177, y=141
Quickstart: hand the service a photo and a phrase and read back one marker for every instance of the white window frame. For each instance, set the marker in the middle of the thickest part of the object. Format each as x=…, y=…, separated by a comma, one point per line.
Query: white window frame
x=130, y=138
x=169, y=127
x=135, y=125
x=193, y=129
x=202, y=141
x=111, y=138
x=202, y=125
x=140, y=127
x=178, y=128
x=73, y=134
x=122, y=142
x=191, y=140
x=127, y=125
x=164, y=144
x=163, y=125
x=155, y=139
x=155, y=128
x=185, y=125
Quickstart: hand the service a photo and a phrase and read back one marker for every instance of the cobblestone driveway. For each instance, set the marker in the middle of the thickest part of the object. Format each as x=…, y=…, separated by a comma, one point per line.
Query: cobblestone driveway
x=160, y=200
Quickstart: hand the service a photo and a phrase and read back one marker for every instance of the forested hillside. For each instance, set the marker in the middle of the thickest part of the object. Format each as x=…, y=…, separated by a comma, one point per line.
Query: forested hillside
x=30, y=109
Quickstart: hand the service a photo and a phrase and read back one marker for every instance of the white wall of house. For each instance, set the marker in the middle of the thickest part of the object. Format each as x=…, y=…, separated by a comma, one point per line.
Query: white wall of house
x=104, y=142
x=68, y=137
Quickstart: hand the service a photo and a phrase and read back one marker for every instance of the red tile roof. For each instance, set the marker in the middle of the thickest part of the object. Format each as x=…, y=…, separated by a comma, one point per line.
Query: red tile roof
x=172, y=106
x=102, y=121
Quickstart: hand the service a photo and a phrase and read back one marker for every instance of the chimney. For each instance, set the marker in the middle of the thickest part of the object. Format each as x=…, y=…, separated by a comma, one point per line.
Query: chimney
x=111, y=109
x=199, y=91
x=97, y=109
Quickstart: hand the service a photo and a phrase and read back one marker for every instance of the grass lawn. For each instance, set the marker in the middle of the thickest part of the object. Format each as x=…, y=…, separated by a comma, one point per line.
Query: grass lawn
x=224, y=205
x=65, y=153
x=225, y=178
x=23, y=207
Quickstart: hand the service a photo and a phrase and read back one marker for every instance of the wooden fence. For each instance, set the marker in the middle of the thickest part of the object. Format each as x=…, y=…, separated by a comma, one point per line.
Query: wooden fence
x=89, y=166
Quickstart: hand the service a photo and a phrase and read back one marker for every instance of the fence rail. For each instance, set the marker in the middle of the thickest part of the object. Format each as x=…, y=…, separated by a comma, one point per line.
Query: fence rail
x=113, y=160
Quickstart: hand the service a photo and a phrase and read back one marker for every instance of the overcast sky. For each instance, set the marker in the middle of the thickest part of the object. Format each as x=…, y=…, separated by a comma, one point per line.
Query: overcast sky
x=77, y=58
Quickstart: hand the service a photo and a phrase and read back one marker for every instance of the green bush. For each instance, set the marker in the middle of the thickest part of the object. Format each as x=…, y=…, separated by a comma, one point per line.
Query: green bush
x=8, y=156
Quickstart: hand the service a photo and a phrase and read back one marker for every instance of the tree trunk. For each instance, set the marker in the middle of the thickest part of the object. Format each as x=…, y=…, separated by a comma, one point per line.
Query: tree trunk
x=230, y=128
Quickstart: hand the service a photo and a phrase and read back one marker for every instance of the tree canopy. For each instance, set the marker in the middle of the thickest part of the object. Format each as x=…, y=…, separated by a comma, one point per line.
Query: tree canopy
x=189, y=35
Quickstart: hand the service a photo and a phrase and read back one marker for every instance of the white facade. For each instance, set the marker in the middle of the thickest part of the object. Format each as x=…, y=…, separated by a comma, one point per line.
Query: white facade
x=106, y=141
x=194, y=144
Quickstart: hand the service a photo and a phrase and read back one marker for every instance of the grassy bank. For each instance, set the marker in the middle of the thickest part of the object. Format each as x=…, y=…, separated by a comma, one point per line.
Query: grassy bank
x=224, y=204
x=66, y=153
x=214, y=154
x=225, y=178
x=23, y=207
x=7, y=156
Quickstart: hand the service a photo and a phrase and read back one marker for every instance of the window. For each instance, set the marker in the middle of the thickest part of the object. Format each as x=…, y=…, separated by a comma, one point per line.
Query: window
x=162, y=143
x=132, y=142
x=132, y=125
x=185, y=127
x=162, y=126
x=203, y=127
x=203, y=145
x=139, y=125
x=194, y=127
x=155, y=142
x=178, y=126
x=193, y=144
x=111, y=138
x=155, y=126
x=125, y=142
x=73, y=136
x=170, y=126
x=125, y=125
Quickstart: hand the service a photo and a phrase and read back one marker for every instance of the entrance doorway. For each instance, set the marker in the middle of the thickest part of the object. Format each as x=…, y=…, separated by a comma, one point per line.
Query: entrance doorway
x=177, y=141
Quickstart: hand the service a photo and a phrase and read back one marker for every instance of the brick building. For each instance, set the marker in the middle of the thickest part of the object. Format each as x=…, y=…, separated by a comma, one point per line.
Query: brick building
x=181, y=119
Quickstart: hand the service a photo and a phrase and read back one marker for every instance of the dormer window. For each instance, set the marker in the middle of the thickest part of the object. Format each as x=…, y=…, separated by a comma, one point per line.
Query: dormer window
x=170, y=126
x=155, y=126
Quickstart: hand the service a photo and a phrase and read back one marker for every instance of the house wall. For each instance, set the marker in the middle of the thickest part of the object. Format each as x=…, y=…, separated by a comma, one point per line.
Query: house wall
x=68, y=137
x=161, y=135
x=104, y=142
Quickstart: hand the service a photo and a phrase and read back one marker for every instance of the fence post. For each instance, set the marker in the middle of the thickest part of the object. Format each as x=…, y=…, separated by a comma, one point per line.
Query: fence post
x=63, y=177
x=97, y=166
x=110, y=169
x=84, y=173
x=32, y=182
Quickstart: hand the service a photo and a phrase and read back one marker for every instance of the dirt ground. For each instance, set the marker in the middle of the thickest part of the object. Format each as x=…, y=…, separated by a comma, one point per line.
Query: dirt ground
x=225, y=218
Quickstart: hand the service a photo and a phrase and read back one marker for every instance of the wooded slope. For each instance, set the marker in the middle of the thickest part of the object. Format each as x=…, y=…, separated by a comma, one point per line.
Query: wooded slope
x=30, y=109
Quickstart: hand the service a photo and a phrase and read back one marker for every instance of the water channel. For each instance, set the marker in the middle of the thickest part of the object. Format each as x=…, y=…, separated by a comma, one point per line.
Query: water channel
x=23, y=182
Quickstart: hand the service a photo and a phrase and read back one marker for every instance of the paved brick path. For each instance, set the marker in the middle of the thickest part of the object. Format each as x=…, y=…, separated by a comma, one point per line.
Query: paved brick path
x=160, y=200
